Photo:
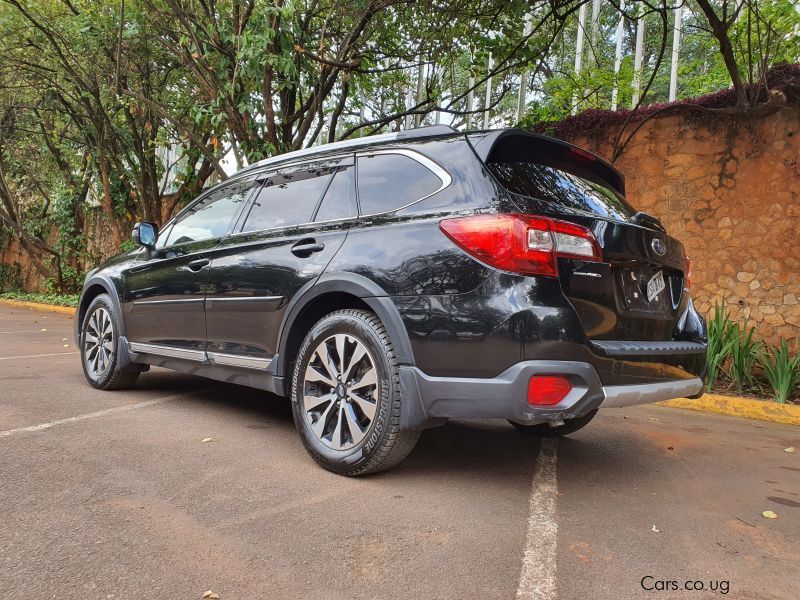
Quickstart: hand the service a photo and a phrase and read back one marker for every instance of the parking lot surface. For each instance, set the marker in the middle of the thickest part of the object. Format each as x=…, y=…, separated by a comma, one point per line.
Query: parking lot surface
x=117, y=495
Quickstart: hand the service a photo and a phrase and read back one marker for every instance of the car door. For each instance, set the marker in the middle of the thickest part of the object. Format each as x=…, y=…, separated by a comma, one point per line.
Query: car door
x=164, y=296
x=294, y=226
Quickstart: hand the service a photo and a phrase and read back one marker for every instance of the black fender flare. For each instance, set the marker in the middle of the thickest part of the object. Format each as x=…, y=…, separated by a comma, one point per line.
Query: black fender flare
x=349, y=283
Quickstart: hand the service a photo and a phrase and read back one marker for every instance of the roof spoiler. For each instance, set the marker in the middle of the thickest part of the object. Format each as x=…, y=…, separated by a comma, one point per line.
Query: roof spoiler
x=548, y=151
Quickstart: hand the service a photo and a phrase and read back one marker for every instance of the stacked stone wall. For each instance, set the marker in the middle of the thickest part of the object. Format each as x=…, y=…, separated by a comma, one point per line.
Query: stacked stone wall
x=729, y=188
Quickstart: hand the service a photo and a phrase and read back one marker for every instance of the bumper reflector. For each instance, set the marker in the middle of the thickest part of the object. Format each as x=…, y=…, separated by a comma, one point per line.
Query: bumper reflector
x=547, y=390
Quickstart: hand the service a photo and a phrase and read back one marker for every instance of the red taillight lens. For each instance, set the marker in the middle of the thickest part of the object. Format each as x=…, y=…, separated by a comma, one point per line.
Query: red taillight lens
x=547, y=390
x=522, y=244
x=687, y=275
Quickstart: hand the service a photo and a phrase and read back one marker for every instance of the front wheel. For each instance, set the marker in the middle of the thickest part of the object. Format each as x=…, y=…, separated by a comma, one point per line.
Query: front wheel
x=544, y=429
x=99, y=340
x=346, y=395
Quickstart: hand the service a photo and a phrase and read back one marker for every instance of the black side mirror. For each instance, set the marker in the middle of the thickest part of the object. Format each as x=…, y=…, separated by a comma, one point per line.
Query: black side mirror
x=145, y=234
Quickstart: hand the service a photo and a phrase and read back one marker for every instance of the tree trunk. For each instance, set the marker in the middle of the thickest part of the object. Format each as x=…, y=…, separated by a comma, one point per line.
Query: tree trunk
x=108, y=201
x=720, y=30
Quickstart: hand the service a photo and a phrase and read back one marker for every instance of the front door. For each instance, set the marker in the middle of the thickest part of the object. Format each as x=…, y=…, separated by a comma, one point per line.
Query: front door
x=165, y=292
x=297, y=222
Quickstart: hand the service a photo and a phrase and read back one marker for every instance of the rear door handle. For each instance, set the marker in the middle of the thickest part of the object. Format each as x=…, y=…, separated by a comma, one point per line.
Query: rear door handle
x=307, y=247
x=198, y=264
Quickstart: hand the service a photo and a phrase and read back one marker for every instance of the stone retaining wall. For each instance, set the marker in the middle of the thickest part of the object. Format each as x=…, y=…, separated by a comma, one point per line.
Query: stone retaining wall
x=729, y=188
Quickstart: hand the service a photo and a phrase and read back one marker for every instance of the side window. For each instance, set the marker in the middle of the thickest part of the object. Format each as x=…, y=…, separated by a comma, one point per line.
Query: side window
x=387, y=182
x=339, y=201
x=210, y=217
x=288, y=199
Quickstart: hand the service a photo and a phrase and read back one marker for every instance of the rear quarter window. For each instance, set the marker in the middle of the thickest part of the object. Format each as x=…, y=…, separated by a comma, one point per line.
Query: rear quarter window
x=387, y=182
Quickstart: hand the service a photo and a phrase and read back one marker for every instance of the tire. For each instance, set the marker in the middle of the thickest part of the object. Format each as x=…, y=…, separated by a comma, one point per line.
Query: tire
x=99, y=361
x=353, y=427
x=544, y=429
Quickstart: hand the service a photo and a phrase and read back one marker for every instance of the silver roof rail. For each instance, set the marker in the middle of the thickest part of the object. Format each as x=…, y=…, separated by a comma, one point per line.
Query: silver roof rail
x=408, y=134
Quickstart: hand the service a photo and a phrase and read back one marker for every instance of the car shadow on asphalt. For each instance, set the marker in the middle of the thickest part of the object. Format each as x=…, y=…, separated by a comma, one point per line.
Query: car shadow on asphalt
x=482, y=447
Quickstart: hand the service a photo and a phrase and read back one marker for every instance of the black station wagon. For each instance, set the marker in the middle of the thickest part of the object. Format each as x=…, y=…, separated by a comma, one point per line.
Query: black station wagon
x=389, y=283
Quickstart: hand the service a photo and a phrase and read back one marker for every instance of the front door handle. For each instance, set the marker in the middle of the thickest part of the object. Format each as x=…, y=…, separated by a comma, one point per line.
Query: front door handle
x=198, y=264
x=307, y=247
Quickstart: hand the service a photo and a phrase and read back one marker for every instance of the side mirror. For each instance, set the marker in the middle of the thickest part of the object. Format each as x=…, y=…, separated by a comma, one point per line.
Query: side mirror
x=145, y=234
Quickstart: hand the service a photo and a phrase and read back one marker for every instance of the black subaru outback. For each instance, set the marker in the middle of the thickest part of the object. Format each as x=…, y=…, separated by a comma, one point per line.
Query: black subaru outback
x=389, y=283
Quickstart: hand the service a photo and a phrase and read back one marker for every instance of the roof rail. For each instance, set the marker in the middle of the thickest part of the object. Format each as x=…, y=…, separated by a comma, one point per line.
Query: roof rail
x=408, y=134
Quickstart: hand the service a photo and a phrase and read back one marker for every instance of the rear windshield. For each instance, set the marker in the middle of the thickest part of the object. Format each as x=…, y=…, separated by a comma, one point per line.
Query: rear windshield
x=560, y=189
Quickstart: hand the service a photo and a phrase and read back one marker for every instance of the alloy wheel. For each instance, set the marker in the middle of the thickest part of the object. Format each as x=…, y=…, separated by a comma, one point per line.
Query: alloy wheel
x=340, y=391
x=98, y=342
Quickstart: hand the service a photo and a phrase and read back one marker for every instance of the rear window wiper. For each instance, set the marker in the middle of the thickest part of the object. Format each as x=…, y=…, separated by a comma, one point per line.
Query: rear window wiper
x=646, y=220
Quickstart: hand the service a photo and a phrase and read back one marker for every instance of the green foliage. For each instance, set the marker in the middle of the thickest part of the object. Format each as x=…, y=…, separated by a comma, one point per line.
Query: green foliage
x=744, y=353
x=10, y=278
x=781, y=369
x=719, y=342
x=54, y=299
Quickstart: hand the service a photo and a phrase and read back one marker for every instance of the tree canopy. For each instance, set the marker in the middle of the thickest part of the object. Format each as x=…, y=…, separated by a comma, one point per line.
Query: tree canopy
x=126, y=109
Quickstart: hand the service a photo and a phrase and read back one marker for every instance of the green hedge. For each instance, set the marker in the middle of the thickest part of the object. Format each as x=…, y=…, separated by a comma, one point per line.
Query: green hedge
x=55, y=299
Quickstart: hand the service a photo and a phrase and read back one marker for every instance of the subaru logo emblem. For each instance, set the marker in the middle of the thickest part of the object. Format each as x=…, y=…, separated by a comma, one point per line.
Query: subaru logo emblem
x=659, y=247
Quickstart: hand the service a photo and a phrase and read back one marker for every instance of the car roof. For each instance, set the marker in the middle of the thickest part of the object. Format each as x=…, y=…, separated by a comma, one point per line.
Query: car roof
x=408, y=135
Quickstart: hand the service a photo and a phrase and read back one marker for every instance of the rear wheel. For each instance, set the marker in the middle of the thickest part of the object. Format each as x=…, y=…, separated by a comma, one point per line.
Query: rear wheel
x=98, y=345
x=346, y=395
x=544, y=429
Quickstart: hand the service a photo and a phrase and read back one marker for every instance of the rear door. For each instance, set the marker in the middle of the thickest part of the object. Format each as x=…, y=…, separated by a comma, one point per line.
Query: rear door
x=294, y=226
x=637, y=293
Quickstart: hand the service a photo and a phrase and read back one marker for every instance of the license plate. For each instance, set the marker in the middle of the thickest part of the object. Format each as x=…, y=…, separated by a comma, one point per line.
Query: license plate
x=655, y=286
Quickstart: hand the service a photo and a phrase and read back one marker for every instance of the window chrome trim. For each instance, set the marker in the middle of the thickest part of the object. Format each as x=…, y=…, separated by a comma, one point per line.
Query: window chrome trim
x=287, y=228
x=426, y=162
x=235, y=360
x=171, y=351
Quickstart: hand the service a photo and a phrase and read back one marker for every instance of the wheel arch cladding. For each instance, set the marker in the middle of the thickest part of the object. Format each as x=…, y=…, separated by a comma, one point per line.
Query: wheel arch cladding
x=92, y=289
x=333, y=292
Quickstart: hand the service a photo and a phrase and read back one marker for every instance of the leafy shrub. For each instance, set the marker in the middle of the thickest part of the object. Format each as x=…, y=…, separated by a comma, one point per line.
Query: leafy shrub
x=719, y=342
x=10, y=278
x=55, y=299
x=781, y=370
x=744, y=353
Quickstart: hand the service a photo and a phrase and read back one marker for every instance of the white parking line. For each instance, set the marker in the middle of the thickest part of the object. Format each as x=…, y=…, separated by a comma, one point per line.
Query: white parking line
x=36, y=355
x=537, y=581
x=94, y=415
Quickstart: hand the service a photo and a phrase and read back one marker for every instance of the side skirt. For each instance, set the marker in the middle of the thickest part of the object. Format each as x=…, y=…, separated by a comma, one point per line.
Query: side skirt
x=246, y=371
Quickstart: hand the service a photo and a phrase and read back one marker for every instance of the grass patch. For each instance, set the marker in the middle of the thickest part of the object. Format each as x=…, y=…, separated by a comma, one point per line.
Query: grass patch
x=70, y=300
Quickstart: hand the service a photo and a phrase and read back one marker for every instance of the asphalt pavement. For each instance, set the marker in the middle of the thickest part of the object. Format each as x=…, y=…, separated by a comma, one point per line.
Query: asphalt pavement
x=122, y=495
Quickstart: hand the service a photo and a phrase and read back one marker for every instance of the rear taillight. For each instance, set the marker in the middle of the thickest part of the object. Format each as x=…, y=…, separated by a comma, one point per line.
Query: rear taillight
x=522, y=244
x=687, y=275
x=547, y=390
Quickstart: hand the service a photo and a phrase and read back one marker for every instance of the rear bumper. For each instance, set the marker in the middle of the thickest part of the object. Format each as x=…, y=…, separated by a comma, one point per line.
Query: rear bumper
x=428, y=400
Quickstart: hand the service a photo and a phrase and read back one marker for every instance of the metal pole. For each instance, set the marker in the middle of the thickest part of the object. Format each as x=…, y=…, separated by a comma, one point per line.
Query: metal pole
x=420, y=87
x=488, y=101
x=618, y=55
x=579, y=50
x=676, y=48
x=409, y=104
x=637, y=61
x=470, y=99
x=439, y=98
x=523, y=78
x=595, y=26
